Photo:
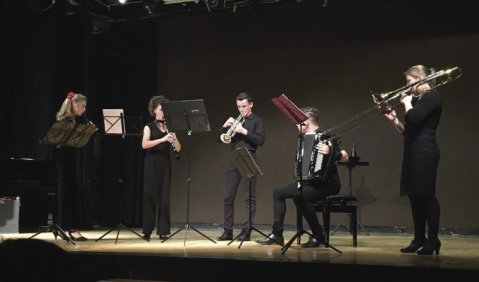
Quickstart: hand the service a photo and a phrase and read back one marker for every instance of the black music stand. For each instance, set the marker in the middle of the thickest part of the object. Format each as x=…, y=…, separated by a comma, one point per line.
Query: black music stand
x=297, y=116
x=352, y=163
x=187, y=116
x=248, y=169
x=66, y=134
x=116, y=122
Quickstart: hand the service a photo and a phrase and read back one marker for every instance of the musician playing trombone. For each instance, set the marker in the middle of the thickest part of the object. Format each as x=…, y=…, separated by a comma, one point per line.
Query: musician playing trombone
x=246, y=131
x=313, y=190
x=423, y=109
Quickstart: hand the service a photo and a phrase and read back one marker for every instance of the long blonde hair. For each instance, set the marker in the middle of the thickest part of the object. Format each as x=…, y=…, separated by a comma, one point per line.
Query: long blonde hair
x=66, y=110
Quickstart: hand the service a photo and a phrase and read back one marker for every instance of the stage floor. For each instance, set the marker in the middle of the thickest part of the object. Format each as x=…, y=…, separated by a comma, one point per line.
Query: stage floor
x=375, y=249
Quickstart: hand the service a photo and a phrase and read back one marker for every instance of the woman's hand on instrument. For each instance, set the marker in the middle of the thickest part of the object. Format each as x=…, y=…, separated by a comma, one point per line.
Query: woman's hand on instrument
x=390, y=114
x=167, y=138
x=323, y=148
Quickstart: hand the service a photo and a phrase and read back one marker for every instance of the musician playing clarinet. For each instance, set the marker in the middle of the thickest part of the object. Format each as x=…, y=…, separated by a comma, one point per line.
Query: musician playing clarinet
x=314, y=189
x=157, y=142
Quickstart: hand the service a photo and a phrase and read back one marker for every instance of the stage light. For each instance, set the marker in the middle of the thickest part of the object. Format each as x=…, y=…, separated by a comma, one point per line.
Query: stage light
x=122, y=2
x=75, y=3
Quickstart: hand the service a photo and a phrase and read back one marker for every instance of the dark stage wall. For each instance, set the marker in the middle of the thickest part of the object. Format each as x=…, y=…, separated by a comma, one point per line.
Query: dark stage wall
x=327, y=57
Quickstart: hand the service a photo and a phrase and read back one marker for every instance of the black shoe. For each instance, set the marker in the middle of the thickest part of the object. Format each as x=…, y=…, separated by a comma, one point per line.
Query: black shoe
x=79, y=238
x=244, y=236
x=413, y=247
x=272, y=239
x=313, y=242
x=163, y=237
x=430, y=248
x=146, y=237
x=226, y=236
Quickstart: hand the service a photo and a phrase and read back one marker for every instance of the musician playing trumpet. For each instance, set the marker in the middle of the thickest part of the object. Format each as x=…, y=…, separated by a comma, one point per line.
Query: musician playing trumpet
x=423, y=109
x=313, y=189
x=246, y=131
x=158, y=143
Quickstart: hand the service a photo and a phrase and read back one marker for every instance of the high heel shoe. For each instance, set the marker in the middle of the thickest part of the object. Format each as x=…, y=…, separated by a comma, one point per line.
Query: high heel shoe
x=73, y=238
x=430, y=248
x=57, y=233
x=413, y=247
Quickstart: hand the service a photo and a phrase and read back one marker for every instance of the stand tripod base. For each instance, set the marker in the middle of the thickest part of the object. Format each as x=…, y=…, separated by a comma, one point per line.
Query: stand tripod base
x=57, y=231
x=187, y=227
x=349, y=228
x=248, y=231
x=119, y=227
x=298, y=235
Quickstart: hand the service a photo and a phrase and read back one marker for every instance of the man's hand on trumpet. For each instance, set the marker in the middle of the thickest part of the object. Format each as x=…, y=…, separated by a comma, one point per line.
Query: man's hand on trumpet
x=240, y=129
x=229, y=122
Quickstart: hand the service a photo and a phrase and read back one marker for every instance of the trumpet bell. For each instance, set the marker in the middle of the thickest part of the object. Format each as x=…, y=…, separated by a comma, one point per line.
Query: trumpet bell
x=225, y=138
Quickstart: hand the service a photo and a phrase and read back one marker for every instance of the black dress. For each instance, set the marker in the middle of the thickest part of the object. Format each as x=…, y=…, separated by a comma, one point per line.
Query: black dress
x=156, y=184
x=70, y=207
x=421, y=152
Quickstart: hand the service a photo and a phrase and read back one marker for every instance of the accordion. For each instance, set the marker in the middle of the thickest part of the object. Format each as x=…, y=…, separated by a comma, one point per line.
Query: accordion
x=310, y=164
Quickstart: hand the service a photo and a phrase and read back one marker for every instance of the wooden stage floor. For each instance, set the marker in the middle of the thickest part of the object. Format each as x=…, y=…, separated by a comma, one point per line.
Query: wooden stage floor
x=376, y=249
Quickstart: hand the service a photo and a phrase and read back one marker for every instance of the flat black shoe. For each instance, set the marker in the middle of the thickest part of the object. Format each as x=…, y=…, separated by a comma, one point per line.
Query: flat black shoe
x=226, y=236
x=413, y=247
x=313, y=242
x=146, y=237
x=244, y=236
x=272, y=239
x=163, y=237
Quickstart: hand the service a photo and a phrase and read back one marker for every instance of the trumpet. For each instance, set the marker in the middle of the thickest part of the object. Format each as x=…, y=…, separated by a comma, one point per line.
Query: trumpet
x=176, y=154
x=226, y=137
x=436, y=79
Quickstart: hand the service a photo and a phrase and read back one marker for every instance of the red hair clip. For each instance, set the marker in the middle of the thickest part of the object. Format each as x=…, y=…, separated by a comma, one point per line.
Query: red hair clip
x=70, y=95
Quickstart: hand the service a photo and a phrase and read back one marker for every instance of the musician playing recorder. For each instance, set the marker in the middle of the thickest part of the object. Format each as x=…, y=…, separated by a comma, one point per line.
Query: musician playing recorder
x=246, y=131
x=317, y=187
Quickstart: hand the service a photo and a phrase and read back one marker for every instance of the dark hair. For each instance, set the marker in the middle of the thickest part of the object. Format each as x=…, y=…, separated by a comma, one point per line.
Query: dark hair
x=154, y=102
x=312, y=113
x=244, y=95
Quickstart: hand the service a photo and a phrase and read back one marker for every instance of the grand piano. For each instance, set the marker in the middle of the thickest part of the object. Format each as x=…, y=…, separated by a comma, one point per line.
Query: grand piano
x=34, y=182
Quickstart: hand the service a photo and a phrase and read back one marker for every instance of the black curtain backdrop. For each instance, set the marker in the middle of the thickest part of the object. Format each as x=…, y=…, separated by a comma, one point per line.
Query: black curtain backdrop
x=330, y=57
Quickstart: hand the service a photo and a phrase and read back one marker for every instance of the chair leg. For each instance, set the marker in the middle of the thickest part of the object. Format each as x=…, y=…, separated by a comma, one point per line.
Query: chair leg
x=326, y=222
x=354, y=227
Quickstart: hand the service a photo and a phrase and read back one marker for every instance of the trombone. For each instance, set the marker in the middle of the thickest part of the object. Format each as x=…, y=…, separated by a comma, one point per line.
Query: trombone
x=226, y=137
x=435, y=80
x=383, y=100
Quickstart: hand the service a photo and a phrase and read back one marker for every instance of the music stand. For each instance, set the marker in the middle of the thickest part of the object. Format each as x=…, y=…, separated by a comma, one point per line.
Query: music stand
x=297, y=116
x=352, y=163
x=248, y=169
x=187, y=116
x=66, y=134
x=116, y=122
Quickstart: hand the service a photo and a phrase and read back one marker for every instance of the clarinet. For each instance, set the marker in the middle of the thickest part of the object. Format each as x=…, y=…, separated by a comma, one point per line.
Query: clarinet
x=176, y=154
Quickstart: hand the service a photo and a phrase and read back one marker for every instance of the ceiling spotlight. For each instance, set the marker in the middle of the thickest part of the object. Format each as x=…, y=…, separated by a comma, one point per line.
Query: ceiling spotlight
x=122, y=2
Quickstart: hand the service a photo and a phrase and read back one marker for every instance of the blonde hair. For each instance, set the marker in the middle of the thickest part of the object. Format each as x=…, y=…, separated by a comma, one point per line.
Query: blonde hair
x=66, y=110
x=421, y=72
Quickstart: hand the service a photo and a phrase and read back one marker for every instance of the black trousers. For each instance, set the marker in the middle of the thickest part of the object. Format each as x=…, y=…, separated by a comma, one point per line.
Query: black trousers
x=233, y=181
x=310, y=195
